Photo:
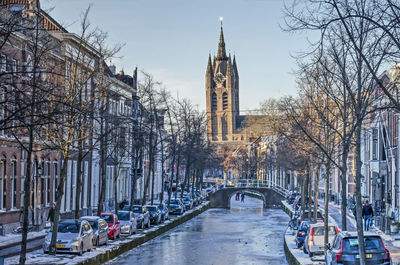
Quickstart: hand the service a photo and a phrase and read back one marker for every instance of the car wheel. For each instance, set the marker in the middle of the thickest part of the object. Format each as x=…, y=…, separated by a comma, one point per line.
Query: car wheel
x=298, y=245
x=304, y=250
x=310, y=254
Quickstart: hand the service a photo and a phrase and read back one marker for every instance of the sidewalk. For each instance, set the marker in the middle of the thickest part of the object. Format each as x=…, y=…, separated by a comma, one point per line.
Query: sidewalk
x=13, y=239
x=392, y=242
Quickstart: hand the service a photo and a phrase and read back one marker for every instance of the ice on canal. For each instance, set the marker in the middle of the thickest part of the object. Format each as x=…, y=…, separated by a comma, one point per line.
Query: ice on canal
x=244, y=234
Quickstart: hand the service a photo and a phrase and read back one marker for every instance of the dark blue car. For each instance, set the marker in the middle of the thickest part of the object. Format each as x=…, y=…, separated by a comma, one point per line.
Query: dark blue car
x=301, y=233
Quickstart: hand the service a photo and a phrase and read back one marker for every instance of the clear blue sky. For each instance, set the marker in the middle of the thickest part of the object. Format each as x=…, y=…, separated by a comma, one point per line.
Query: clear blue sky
x=171, y=40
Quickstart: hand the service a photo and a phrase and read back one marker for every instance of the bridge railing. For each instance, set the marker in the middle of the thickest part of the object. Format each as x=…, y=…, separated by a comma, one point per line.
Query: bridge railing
x=258, y=183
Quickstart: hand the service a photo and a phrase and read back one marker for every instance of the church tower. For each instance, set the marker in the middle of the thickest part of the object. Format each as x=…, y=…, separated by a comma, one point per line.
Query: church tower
x=222, y=95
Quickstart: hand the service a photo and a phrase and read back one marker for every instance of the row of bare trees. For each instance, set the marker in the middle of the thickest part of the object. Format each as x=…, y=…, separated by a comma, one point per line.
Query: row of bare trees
x=338, y=77
x=56, y=102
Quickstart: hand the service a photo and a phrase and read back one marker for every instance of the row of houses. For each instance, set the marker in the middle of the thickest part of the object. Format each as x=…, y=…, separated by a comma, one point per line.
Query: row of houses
x=107, y=153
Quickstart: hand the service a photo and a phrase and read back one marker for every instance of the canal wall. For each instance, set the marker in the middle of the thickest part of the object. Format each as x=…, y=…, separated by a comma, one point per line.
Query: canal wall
x=152, y=233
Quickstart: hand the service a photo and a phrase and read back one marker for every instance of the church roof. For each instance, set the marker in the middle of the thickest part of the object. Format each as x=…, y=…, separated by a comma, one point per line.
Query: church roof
x=221, y=46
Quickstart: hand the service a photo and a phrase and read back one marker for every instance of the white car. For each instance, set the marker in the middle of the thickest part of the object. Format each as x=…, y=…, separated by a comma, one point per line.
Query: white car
x=128, y=222
x=74, y=236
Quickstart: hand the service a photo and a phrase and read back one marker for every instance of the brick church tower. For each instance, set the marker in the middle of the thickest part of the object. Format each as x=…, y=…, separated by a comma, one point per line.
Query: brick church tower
x=222, y=96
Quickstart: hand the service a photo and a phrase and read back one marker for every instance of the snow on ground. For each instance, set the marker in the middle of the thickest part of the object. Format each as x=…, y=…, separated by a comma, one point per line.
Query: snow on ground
x=39, y=257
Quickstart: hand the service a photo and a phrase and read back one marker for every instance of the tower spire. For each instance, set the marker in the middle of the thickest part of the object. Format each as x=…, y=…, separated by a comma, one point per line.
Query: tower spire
x=221, y=45
x=209, y=65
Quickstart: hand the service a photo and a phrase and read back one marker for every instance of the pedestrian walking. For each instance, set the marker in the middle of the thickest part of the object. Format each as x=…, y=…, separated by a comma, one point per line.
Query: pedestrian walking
x=242, y=197
x=237, y=196
x=50, y=216
x=367, y=213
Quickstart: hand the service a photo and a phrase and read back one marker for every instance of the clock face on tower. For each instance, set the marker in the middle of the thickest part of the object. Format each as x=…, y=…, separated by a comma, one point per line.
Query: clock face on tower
x=219, y=79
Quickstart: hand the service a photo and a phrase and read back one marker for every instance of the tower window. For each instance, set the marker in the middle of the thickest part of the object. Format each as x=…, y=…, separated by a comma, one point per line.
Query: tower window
x=225, y=101
x=214, y=102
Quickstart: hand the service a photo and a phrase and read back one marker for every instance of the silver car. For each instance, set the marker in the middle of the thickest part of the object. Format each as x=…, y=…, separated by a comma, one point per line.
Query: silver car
x=314, y=241
x=100, y=229
x=74, y=236
x=128, y=222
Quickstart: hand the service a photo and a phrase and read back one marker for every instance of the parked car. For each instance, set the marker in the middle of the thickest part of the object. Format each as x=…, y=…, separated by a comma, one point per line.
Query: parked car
x=187, y=202
x=344, y=250
x=142, y=215
x=100, y=229
x=305, y=216
x=301, y=233
x=164, y=211
x=314, y=241
x=155, y=214
x=176, y=206
x=128, y=222
x=114, y=227
x=74, y=236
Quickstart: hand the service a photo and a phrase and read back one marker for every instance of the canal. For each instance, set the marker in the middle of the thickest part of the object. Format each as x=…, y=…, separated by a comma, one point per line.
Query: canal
x=244, y=234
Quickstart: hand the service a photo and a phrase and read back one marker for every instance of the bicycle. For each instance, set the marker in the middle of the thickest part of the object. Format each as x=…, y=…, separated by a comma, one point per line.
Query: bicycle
x=294, y=222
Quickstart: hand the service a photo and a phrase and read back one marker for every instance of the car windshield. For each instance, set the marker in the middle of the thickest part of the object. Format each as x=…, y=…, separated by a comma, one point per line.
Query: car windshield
x=174, y=202
x=371, y=242
x=108, y=218
x=137, y=209
x=69, y=227
x=320, y=231
x=93, y=224
x=123, y=215
x=152, y=208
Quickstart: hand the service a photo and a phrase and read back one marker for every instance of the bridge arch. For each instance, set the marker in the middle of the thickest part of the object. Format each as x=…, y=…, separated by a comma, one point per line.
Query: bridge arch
x=247, y=191
x=221, y=198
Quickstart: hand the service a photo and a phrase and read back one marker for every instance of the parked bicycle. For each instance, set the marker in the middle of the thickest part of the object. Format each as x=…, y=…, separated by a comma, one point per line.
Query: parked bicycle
x=294, y=222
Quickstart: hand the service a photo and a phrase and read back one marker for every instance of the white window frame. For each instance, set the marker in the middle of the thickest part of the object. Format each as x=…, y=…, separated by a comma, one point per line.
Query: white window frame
x=13, y=177
x=14, y=67
x=3, y=63
x=3, y=183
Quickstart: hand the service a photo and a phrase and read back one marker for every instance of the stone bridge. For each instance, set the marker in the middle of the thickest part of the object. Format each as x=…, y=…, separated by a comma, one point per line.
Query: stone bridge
x=222, y=198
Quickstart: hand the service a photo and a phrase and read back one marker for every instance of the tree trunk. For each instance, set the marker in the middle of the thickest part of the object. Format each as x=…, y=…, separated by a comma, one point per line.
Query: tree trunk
x=309, y=197
x=360, y=231
x=60, y=194
x=316, y=193
x=116, y=171
x=25, y=209
x=326, y=203
x=152, y=181
x=103, y=167
x=344, y=187
x=79, y=181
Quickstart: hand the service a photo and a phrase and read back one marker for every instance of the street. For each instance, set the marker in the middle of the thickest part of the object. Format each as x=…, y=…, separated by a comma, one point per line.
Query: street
x=245, y=234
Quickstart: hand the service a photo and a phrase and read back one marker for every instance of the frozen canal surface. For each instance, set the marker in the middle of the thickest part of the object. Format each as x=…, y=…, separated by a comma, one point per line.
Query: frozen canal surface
x=245, y=234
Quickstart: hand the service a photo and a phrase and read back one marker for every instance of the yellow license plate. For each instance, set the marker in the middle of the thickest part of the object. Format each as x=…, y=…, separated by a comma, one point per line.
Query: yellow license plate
x=60, y=246
x=368, y=256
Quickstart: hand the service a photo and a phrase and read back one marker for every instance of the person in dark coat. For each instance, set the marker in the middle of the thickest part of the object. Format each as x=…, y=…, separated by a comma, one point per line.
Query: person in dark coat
x=242, y=197
x=51, y=214
x=367, y=213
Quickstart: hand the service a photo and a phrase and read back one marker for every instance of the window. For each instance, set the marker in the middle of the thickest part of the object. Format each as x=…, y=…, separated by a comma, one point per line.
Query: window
x=13, y=180
x=48, y=195
x=374, y=144
x=14, y=67
x=3, y=185
x=3, y=63
x=225, y=101
x=214, y=101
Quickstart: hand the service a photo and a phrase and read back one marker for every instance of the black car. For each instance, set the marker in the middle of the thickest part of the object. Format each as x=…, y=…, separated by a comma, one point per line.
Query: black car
x=301, y=233
x=164, y=211
x=176, y=206
x=344, y=250
x=155, y=214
